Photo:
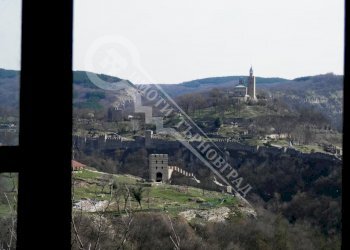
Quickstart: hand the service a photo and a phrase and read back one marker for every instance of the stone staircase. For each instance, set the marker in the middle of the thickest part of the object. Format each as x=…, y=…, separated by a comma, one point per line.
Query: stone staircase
x=181, y=171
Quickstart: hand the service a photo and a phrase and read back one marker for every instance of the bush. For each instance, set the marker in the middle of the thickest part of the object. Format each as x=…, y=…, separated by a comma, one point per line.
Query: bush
x=218, y=122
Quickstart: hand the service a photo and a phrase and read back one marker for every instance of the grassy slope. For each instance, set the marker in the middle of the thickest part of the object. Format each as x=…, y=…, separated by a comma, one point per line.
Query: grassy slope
x=155, y=198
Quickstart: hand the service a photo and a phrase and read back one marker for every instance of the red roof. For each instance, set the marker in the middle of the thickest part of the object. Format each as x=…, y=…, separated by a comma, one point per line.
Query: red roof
x=77, y=165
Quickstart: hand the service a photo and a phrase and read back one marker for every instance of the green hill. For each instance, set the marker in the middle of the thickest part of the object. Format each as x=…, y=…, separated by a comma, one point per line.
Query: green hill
x=89, y=184
x=214, y=81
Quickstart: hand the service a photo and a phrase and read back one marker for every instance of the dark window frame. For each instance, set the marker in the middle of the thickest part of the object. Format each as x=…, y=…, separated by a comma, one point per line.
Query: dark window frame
x=43, y=157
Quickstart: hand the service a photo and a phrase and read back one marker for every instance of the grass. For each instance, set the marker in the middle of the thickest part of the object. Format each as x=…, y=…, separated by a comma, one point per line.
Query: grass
x=302, y=148
x=187, y=196
x=86, y=174
x=308, y=148
x=229, y=130
x=155, y=198
x=4, y=210
x=88, y=184
x=127, y=179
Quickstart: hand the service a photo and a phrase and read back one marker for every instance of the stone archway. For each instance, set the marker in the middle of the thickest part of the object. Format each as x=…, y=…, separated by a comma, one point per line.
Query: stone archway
x=159, y=177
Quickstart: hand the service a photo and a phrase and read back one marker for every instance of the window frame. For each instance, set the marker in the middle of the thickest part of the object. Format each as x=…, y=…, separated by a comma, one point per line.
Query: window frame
x=43, y=156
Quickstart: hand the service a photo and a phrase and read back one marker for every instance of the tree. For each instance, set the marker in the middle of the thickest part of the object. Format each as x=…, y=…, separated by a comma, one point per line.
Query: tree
x=218, y=122
x=106, y=180
x=238, y=106
x=184, y=102
x=8, y=220
x=126, y=195
x=215, y=95
x=137, y=194
x=198, y=102
x=94, y=231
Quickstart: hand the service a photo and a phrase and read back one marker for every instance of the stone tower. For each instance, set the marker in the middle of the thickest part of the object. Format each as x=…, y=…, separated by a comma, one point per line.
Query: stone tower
x=115, y=114
x=251, y=84
x=158, y=168
x=148, y=138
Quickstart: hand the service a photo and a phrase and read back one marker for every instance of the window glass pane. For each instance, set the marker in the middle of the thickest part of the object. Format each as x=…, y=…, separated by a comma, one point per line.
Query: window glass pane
x=8, y=210
x=10, y=36
x=198, y=124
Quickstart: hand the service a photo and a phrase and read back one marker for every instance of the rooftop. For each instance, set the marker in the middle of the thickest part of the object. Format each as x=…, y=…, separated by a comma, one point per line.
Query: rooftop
x=77, y=165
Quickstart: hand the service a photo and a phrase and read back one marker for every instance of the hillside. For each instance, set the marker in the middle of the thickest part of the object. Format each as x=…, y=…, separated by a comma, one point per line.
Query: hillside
x=324, y=93
x=286, y=145
x=205, y=84
x=93, y=185
x=9, y=86
x=86, y=94
x=9, y=82
x=194, y=218
x=325, y=90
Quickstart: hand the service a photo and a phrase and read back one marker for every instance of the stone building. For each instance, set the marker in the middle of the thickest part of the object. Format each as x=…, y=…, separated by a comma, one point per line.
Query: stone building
x=241, y=92
x=160, y=171
x=158, y=168
x=137, y=121
x=115, y=114
x=148, y=138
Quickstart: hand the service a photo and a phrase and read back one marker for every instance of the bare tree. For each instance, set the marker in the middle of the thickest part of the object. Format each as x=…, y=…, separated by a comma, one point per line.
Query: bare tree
x=215, y=96
x=174, y=237
x=88, y=231
x=126, y=195
x=9, y=224
x=184, y=102
x=198, y=102
x=137, y=194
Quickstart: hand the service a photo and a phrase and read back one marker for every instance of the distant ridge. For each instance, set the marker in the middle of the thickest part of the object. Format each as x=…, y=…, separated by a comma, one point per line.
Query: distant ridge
x=5, y=73
x=224, y=79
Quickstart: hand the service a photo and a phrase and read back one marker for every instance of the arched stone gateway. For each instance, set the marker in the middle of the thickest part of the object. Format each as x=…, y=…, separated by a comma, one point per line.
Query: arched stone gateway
x=159, y=169
x=159, y=177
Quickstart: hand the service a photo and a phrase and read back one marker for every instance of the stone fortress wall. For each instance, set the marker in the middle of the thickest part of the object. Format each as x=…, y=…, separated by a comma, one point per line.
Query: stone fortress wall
x=106, y=142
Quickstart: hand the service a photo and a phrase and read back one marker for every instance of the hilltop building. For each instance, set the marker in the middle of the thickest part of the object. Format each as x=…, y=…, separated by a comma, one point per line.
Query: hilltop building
x=251, y=84
x=241, y=92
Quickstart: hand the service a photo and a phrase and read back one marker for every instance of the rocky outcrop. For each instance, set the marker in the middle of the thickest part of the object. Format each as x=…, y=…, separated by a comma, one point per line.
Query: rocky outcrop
x=91, y=206
x=214, y=215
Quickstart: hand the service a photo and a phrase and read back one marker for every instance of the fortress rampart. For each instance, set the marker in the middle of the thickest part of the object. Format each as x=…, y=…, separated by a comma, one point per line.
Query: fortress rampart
x=102, y=143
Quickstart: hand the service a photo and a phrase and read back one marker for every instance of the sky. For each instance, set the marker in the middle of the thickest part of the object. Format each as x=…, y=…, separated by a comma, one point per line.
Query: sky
x=10, y=34
x=166, y=41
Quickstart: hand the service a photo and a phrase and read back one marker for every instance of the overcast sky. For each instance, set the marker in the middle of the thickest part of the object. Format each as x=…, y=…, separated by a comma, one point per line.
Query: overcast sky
x=183, y=40
x=10, y=34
